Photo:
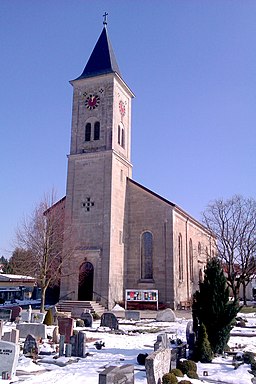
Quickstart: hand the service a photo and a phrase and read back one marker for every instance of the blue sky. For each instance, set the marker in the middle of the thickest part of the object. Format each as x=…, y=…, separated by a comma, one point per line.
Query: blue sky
x=191, y=65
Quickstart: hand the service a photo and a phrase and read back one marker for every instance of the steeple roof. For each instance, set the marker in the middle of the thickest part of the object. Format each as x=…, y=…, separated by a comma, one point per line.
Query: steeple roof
x=102, y=59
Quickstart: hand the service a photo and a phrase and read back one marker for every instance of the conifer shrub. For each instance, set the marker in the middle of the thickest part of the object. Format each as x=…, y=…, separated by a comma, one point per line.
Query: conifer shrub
x=185, y=382
x=187, y=365
x=192, y=375
x=177, y=372
x=169, y=378
x=79, y=323
x=48, y=320
x=249, y=358
x=95, y=316
x=212, y=307
x=203, y=351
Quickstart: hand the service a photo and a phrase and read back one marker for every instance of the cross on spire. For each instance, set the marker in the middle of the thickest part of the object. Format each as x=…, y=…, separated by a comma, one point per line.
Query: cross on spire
x=105, y=18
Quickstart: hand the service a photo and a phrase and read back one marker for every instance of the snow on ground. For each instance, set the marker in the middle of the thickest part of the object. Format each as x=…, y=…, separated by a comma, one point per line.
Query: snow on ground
x=122, y=349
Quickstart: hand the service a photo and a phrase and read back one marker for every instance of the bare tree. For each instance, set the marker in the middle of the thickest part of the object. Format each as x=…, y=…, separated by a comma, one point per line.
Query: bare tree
x=234, y=224
x=40, y=240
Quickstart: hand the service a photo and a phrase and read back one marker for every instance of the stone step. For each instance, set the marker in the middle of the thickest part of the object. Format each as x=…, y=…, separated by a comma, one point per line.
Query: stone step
x=70, y=306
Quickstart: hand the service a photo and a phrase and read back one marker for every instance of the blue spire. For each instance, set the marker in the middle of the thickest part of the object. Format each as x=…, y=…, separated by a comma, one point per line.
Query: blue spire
x=102, y=59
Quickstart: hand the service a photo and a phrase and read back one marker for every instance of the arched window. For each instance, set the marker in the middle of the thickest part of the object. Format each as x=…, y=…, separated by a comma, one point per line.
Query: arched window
x=119, y=135
x=96, y=130
x=180, y=254
x=191, y=264
x=88, y=129
x=147, y=255
x=123, y=138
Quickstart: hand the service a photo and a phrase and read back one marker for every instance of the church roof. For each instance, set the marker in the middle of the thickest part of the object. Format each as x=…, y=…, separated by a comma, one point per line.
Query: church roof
x=102, y=59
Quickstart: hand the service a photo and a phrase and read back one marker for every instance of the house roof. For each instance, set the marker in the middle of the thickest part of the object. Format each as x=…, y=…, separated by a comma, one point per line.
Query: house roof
x=102, y=59
x=11, y=277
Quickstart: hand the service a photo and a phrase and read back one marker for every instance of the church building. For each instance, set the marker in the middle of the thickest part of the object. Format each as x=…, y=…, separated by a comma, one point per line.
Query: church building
x=124, y=236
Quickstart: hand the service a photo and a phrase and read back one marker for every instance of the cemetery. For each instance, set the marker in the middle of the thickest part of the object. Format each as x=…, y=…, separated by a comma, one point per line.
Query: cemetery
x=122, y=347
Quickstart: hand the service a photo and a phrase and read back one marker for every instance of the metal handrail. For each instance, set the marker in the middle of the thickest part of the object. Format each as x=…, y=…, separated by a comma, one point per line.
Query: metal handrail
x=102, y=297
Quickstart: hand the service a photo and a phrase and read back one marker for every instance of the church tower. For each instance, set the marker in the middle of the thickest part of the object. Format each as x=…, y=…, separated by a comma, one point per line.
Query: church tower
x=98, y=166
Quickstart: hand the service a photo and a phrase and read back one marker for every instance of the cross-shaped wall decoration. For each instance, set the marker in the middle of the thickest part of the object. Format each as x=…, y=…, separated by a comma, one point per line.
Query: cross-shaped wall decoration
x=87, y=204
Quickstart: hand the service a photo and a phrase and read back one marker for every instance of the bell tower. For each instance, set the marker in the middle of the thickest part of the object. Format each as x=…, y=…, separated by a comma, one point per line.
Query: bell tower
x=98, y=165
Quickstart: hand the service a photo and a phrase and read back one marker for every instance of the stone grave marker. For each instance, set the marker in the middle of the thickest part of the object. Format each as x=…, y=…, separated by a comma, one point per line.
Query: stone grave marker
x=15, y=335
x=12, y=336
x=5, y=314
x=117, y=375
x=37, y=330
x=81, y=341
x=173, y=359
x=66, y=326
x=157, y=364
x=9, y=355
x=189, y=329
x=56, y=335
x=162, y=341
x=68, y=350
x=30, y=346
x=167, y=315
x=87, y=318
x=16, y=310
x=25, y=315
x=37, y=318
x=61, y=345
x=1, y=328
x=109, y=320
x=74, y=345
x=132, y=315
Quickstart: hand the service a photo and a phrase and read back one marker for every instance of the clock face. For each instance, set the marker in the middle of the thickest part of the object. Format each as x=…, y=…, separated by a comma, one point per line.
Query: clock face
x=122, y=108
x=92, y=101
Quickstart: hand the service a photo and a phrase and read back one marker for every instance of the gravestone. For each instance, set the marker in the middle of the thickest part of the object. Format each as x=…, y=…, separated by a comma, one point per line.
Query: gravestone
x=190, y=336
x=173, y=359
x=66, y=326
x=157, y=364
x=181, y=351
x=189, y=329
x=68, y=350
x=61, y=345
x=5, y=314
x=25, y=315
x=117, y=375
x=87, y=318
x=6, y=336
x=1, y=328
x=37, y=330
x=55, y=335
x=30, y=348
x=12, y=336
x=109, y=320
x=9, y=355
x=16, y=310
x=76, y=312
x=132, y=315
x=81, y=341
x=74, y=345
x=15, y=335
x=167, y=315
x=37, y=318
x=162, y=341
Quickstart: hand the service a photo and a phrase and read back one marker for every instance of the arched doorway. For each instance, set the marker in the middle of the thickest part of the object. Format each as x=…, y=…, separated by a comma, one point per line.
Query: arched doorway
x=85, y=285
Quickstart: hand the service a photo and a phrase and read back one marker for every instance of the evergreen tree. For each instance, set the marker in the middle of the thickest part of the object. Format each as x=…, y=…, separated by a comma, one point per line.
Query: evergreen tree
x=203, y=351
x=211, y=307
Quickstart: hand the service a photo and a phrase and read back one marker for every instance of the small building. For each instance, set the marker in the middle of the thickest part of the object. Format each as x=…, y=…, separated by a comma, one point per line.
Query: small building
x=16, y=287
